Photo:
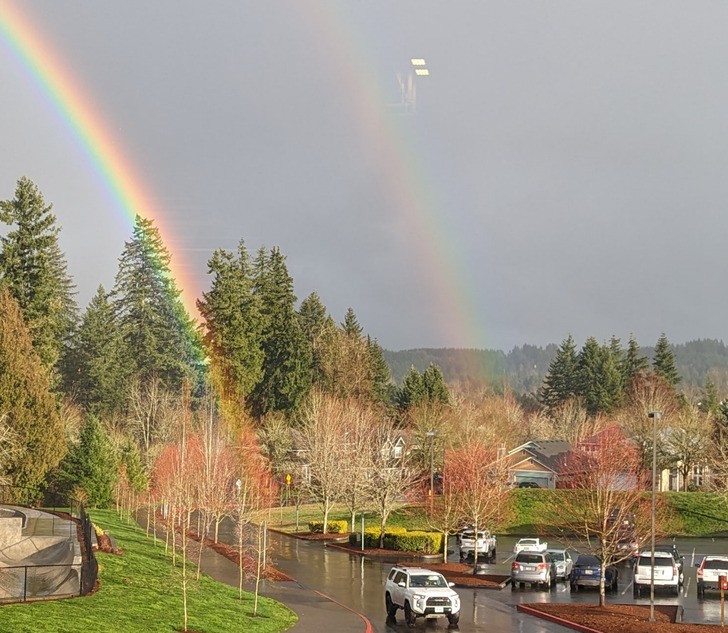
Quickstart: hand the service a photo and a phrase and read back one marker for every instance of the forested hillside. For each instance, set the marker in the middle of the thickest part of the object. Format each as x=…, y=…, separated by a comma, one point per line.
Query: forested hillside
x=524, y=368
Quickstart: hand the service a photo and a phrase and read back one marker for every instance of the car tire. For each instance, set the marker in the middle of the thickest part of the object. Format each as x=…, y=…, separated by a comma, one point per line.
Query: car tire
x=513, y=585
x=409, y=616
x=391, y=607
x=574, y=587
x=453, y=619
x=677, y=590
x=701, y=591
x=636, y=591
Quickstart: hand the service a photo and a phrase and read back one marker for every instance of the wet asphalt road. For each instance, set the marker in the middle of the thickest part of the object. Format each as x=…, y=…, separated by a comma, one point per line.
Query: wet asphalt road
x=358, y=583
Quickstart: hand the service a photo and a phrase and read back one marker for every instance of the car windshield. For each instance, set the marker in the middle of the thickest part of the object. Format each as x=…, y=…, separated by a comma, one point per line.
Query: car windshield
x=528, y=541
x=429, y=580
x=557, y=556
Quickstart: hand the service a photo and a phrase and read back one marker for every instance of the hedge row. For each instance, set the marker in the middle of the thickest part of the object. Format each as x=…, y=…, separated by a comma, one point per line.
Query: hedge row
x=399, y=539
x=334, y=527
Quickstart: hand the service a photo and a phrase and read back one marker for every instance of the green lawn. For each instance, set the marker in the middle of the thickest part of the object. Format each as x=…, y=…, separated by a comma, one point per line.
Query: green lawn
x=531, y=511
x=141, y=591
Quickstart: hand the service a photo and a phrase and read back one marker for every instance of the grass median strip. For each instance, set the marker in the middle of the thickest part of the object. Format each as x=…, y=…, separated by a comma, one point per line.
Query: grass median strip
x=141, y=591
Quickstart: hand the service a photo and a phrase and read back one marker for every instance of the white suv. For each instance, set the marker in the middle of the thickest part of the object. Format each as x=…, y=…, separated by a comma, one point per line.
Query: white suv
x=667, y=573
x=709, y=571
x=420, y=593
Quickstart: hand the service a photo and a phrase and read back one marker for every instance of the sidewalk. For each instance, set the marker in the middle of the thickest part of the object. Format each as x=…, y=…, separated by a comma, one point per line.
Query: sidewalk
x=316, y=612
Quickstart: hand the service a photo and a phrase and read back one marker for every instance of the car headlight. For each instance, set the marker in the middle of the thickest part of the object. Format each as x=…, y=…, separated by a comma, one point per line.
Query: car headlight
x=419, y=596
x=455, y=602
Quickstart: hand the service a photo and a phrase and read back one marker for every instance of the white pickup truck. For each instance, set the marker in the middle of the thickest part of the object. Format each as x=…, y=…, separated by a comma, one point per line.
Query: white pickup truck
x=530, y=545
x=485, y=544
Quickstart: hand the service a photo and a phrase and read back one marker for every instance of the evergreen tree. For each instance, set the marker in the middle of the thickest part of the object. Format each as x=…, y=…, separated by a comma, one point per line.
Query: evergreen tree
x=34, y=269
x=663, y=363
x=382, y=387
x=136, y=474
x=633, y=363
x=710, y=402
x=232, y=315
x=413, y=390
x=434, y=385
x=351, y=324
x=287, y=363
x=157, y=333
x=92, y=367
x=319, y=331
x=600, y=380
x=26, y=401
x=90, y=466
x=562, y=381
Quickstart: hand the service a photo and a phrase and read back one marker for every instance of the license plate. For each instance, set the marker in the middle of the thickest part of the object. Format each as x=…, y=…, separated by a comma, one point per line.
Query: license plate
x=588, y=572
x=526, y=568
x=439, y=609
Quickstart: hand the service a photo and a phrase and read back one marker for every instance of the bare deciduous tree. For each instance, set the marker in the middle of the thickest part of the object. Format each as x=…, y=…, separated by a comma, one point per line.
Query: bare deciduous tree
x=390, y=479
x=605, y=501
x=321, y=435
x=480, y=481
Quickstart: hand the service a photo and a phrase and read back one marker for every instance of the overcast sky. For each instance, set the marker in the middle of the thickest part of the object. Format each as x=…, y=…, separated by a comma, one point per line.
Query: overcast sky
x=564, y=169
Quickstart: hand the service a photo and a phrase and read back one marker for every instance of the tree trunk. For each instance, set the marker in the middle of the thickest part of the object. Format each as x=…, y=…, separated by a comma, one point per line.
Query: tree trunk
x=445, y=534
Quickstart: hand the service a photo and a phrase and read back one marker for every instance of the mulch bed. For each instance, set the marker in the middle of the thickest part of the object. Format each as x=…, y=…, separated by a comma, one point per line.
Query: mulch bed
x=620, y=618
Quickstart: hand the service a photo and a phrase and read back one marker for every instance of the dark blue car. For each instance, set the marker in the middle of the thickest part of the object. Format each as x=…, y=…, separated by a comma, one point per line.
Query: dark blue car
x=587, y=573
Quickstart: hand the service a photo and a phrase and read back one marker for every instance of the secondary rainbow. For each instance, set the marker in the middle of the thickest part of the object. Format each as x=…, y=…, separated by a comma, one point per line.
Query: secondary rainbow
x=406, y=176
x=126, y=188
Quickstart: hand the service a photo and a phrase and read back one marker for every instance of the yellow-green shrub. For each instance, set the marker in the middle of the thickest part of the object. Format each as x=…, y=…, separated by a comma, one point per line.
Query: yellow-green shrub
x=334, y=527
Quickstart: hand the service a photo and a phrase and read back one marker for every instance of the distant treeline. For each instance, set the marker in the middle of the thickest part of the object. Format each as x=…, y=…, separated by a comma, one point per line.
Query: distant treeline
x=524, y=368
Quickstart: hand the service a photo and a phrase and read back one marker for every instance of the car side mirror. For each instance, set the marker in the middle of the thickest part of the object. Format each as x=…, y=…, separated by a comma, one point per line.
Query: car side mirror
x=401, y=583
x=697, y=564
x=451, y=584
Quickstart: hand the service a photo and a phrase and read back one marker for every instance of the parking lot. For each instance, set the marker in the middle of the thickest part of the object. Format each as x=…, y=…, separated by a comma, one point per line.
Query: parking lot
x=705, y=611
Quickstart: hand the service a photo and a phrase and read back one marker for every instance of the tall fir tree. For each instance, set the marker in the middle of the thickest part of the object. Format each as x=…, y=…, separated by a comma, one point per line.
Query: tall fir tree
x=599, y=377
x=319, y=331
x=26, y=402
x=382, y=385
x=413, y=390
x=434, y=384
x=562, y=382
x=232, y=319
x=663, y=363
x=351, y=324
x=93, y=367
x=286, y=376
x=34, y=269
x=634, y=363
x=158, y=335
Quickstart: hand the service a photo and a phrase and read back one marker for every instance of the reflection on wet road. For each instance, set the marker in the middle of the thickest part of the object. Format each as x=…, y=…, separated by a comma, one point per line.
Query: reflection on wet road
x=358, y=583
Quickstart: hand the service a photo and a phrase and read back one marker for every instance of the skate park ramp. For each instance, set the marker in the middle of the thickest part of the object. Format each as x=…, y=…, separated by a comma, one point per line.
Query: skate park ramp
x=40, y=555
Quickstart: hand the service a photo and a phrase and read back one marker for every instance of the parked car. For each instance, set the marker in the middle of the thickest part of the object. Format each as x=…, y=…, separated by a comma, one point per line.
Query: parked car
x=709, y=570
x=530, y=545
x=536, y=568
x=672, y=549
x=587, y=573
x=485, y=543
x=667, y=573
x=563, y=561
x=420, y=593
x=528, y=484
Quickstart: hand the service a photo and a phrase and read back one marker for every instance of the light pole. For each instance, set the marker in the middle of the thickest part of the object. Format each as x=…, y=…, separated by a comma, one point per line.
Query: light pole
x=431, y=435
x=654, y=415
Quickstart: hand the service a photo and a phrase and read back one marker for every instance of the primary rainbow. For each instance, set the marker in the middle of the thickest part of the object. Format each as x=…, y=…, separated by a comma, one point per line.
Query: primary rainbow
x=125, y=186
x=388, y=142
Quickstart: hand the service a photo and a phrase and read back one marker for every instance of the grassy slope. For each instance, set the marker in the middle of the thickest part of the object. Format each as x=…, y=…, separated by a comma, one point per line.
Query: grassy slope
x=141, y=591
x=693, y=514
